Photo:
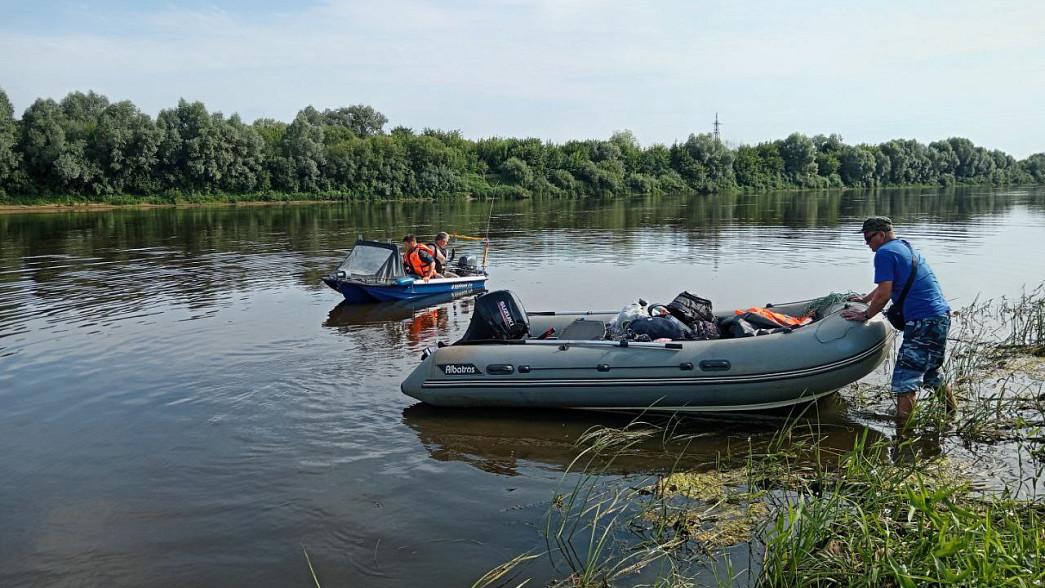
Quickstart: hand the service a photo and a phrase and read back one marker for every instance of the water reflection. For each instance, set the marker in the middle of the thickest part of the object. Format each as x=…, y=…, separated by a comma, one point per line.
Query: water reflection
x=412, y=324
x=346, y=315
x=502, y=442
x=169, y=249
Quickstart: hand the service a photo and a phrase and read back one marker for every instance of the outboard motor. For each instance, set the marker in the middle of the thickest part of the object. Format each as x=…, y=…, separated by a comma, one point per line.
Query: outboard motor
x=468, y=265
x=497, y=316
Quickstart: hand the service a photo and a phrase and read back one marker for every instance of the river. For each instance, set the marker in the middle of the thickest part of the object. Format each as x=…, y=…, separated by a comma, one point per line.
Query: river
x=183, y=402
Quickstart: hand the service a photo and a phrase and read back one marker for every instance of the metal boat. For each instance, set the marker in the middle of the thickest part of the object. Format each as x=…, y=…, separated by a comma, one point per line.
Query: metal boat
x=499, y=363
x=373, y=272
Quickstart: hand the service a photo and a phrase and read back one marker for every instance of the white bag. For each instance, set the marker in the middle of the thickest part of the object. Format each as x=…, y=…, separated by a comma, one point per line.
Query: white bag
x=634, y=310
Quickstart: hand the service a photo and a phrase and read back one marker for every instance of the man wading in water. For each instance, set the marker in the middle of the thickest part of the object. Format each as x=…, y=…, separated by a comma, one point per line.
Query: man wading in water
x=926, y=314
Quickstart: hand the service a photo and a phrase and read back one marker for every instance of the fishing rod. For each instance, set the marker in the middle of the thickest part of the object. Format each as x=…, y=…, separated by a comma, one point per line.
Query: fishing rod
x=489, y=220
x=485, y=240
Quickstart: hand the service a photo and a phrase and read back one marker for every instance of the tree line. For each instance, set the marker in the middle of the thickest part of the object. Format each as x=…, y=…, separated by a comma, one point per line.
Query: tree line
x=90, y=148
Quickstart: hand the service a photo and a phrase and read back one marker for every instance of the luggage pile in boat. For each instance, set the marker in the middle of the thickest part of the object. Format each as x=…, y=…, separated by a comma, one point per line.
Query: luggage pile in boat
x=691, y=318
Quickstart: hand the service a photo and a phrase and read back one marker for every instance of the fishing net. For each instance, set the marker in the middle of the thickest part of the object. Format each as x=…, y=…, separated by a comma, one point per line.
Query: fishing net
x=817, y=306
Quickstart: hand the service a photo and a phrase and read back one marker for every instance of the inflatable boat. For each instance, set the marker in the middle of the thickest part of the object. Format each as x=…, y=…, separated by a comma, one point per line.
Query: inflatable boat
x=570, y=364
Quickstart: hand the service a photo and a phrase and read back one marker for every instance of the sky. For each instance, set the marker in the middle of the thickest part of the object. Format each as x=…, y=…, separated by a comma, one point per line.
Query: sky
x=558, y=70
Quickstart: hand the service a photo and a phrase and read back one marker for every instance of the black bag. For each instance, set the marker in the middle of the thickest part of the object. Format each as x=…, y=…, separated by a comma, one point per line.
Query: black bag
x=690, y=308
x=895, y=316
x=739, y=326
x=705, y=330
x=658, y=327
x=895, y=312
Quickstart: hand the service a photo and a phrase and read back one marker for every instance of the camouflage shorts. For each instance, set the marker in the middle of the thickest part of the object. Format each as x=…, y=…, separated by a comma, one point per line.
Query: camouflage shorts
x=919, y=362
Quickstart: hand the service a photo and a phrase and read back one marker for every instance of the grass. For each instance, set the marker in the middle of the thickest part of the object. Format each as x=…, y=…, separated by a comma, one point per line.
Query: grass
x=886, y=512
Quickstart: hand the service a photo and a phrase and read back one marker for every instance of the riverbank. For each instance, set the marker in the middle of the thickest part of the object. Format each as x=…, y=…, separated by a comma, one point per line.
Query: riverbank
x=159, y=201
x=177, y=200
x=925, y=504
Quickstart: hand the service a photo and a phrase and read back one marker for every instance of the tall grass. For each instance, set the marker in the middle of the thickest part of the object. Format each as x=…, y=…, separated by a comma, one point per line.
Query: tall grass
x=886, y=512
x=1027, y=320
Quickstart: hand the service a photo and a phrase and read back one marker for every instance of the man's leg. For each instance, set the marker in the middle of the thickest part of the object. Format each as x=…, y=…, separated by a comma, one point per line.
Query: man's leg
x=909, y=371
x=919, y=362
x=905, y=406
x=935, y=336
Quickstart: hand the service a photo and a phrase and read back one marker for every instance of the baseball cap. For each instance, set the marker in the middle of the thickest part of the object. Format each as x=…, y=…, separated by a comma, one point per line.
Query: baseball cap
x=877, y=223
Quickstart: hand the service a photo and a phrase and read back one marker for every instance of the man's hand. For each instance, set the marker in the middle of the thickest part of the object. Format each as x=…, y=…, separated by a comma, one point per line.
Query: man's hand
x=855, y=315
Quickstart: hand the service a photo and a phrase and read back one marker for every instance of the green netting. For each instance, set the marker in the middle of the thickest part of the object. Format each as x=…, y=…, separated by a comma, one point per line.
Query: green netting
x=818, y=305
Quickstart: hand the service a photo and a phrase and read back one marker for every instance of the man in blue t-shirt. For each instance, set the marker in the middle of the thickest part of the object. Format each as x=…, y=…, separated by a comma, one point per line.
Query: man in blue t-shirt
x=925, y=310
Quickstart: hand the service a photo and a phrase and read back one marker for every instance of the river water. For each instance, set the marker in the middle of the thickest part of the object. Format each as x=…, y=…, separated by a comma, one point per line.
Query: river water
x=182, y=402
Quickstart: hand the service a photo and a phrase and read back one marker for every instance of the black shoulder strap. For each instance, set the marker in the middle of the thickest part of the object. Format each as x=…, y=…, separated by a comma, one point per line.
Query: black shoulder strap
x=910, y=278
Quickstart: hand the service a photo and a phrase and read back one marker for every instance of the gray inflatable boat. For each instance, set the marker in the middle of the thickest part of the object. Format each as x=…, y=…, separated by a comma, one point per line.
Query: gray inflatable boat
x=499, y=363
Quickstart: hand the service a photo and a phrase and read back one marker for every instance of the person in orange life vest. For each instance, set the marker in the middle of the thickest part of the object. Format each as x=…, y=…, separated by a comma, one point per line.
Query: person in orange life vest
x=419, y=259
x=438, y=247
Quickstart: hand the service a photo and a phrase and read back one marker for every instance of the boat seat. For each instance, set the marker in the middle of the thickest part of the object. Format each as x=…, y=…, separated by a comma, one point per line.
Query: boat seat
x=584, y=329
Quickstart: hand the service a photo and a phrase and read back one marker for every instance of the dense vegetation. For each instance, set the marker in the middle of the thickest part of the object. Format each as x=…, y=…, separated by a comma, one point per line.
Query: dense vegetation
x=89, y=148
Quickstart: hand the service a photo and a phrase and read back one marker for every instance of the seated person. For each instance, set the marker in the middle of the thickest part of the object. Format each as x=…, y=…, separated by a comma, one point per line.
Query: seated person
x=419, y=259
x=438, y=247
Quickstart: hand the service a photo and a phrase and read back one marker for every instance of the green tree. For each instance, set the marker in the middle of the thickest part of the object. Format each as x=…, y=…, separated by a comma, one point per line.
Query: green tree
x=436, y=168
x=362, y=120
x=54, y=160
x=1035, y=167
x=944, y=162
x=303, y=148
x=858, y=166
x=759, y=167
x=705, y=163
x=125, y=144
x=243, y=156
x=9, y=157
x=799, y=155
x=630, y=150
x=655, y=160
x=882, y=166
x=193, y=154
x=517, y=171
x=829, y=150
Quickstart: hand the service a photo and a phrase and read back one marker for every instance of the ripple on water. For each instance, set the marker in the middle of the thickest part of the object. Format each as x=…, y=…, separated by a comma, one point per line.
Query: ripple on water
x=184, y=402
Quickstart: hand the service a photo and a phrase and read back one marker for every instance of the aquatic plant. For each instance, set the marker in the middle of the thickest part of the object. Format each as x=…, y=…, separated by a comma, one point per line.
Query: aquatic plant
x=886, y=512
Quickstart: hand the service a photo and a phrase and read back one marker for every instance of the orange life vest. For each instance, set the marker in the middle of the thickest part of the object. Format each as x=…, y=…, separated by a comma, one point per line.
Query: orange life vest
x=780, y=319
x=416, y=263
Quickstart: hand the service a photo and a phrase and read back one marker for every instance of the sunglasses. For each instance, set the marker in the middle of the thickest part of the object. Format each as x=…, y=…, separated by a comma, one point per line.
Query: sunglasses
x=869, y=236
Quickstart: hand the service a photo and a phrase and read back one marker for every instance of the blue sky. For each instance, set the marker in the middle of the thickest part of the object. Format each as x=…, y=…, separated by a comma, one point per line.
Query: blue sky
x=558, y=69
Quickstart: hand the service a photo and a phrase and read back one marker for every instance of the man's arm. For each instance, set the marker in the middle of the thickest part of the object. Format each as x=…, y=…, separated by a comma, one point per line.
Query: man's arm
x=875, y=300
x=430, y=260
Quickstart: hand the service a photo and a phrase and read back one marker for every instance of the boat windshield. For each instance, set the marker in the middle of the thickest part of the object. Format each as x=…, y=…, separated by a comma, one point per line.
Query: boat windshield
x=370, y=258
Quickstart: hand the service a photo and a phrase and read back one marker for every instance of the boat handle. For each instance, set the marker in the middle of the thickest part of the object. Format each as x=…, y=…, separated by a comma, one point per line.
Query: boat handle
x=715, y=365
x=500, y=369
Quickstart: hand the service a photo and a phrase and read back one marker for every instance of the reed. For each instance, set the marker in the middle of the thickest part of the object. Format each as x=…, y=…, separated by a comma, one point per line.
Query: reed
x=883, y=522
x=886, y=512
x=1027, y=320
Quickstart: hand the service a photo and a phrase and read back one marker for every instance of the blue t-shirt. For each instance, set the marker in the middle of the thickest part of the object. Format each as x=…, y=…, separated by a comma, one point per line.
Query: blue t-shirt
x=892, y=262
